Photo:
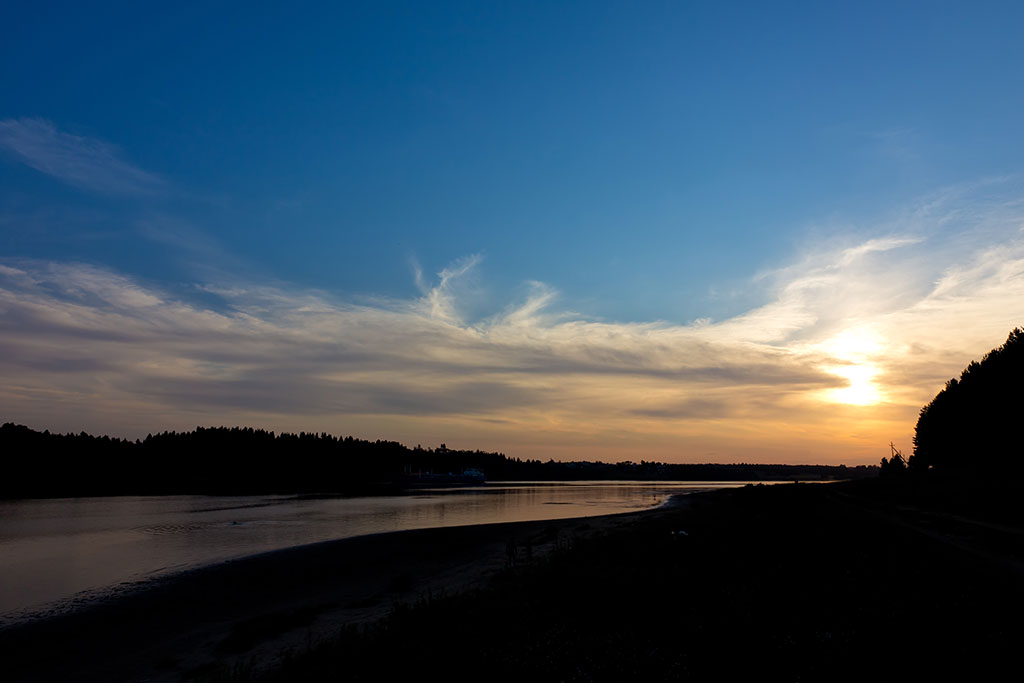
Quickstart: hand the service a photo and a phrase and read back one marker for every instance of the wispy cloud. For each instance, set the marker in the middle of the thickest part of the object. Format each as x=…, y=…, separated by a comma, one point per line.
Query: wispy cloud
x=97, y=340
x=440, y=301
x=83, y=162
x=853, y=340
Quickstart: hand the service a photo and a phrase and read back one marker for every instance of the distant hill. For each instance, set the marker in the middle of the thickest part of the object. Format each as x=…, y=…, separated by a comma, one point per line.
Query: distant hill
x=240, y=460
x=973, y=426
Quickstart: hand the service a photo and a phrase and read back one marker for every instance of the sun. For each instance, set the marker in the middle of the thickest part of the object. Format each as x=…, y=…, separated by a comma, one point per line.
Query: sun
x=861, y=391
x=855, y=350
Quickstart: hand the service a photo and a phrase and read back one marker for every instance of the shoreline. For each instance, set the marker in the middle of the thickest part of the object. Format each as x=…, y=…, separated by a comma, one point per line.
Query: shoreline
x=259, y=608
x=121, y=585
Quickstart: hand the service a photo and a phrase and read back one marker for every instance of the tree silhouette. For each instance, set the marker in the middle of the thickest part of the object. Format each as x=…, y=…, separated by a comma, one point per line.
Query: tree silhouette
x=895, y=466
x=972, y=425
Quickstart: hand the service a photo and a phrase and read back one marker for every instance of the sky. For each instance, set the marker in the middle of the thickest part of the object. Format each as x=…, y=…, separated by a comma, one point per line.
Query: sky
x=687, y=232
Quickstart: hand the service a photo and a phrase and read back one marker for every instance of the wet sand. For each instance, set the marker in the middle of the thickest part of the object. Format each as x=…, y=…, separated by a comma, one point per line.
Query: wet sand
x=257, y=610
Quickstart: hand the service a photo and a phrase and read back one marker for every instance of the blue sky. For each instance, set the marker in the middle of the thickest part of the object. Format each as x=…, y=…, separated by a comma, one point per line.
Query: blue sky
x=667, y=165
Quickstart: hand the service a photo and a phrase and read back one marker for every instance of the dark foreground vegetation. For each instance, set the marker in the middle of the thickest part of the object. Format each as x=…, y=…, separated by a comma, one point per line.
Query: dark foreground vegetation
x=793, y=582
x=253, y=461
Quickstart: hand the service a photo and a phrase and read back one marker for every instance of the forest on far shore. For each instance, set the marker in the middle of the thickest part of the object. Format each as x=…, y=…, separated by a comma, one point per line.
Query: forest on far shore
x=240, y=460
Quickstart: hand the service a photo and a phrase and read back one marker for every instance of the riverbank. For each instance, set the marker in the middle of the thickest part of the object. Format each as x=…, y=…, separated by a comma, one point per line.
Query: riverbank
x=67, y=551
x=791, y=582
x=253, y=611
x=794, y=583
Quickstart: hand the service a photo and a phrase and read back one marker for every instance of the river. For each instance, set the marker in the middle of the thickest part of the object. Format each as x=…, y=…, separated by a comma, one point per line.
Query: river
x=58, y=553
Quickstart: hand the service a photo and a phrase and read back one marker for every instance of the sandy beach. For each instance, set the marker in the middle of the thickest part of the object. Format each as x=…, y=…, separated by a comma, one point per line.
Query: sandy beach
x=256, y=610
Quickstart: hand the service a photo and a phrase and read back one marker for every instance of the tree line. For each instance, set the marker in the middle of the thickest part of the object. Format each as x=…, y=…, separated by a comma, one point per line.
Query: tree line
x=243, y=460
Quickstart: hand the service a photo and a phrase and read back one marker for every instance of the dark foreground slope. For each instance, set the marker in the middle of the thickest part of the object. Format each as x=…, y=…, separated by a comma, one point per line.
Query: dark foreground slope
x=796, y=582
x=867, y=580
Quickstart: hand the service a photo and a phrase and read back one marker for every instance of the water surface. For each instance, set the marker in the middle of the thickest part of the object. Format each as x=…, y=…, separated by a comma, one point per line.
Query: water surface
x=58, y=552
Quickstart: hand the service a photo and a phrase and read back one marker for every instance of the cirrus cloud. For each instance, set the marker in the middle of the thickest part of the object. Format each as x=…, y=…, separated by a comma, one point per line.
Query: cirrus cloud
x=86, y=163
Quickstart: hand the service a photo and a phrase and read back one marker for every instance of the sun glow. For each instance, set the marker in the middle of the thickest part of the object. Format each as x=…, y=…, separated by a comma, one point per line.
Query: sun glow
x=861, y=391
x=856, y=349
